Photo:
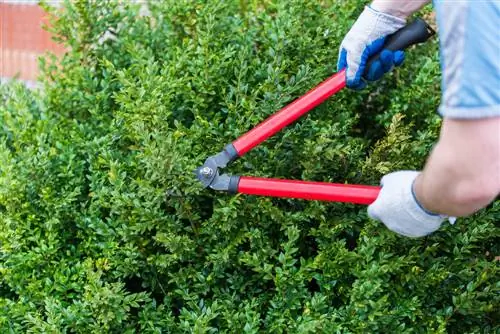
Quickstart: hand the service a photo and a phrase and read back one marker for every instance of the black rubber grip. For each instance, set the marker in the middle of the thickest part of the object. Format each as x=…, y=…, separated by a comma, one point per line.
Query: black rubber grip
x=233, y=184
x=231, y=152
x=414, y=33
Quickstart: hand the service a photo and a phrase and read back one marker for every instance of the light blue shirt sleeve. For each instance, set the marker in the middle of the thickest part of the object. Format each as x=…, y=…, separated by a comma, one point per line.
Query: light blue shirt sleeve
x=469, y=33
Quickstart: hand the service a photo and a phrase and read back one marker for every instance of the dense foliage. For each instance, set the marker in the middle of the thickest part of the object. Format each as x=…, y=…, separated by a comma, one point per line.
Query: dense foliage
x=104, y=228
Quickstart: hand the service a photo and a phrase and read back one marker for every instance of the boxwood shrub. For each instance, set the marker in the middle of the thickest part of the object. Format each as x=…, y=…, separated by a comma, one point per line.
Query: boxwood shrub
x=104, y=228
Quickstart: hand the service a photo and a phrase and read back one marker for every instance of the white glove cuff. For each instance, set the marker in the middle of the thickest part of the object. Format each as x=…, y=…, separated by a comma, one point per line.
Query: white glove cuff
x=386, y=19
x=419, y=210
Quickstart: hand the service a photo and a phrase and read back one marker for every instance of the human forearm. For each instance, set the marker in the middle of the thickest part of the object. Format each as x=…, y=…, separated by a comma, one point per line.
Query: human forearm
x=399, y=8
x=462, y=174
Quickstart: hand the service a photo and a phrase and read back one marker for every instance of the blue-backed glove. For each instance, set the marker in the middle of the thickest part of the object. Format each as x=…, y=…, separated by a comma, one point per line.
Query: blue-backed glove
x=397, y=207
x=365, y=39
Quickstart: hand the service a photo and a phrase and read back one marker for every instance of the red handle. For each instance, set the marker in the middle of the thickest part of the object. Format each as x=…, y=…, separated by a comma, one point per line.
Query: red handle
x=322, y=191
x=290, y=113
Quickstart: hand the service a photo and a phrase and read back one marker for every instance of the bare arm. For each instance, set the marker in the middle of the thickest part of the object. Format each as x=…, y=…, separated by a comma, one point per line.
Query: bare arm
x=399, y=8
x=462, y=174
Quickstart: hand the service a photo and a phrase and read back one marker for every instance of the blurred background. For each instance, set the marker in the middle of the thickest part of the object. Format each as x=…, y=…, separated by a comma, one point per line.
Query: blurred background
x=23, y=39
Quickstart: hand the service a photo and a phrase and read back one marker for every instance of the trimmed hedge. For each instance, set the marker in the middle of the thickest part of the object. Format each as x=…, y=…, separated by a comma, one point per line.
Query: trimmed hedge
x=104, y=228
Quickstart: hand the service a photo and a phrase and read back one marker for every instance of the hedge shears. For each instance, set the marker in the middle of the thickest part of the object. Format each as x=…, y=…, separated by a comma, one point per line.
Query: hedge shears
x=210, y=173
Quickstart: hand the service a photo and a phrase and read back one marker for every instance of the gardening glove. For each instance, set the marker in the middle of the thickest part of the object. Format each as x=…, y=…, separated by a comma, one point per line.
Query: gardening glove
x=397, y=207
x=365, y=39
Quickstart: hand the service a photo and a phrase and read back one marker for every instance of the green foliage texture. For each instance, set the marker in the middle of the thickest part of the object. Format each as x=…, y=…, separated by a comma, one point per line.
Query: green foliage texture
x=104, y=228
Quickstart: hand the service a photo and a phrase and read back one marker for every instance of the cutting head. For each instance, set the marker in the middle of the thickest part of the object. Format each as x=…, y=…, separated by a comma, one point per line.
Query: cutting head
x=209, y=174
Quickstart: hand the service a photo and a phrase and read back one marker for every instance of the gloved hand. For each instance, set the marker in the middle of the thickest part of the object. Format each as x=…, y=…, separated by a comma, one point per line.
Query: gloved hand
x=365, y=39
x=397, y=207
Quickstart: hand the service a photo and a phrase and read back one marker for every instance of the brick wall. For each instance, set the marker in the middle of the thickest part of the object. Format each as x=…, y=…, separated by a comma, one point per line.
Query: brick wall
x=22, y=39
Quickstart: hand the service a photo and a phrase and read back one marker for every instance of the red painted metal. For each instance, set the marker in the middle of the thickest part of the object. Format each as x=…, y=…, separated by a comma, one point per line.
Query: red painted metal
x=322, y=191
x=290, y=113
